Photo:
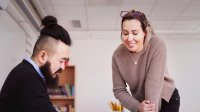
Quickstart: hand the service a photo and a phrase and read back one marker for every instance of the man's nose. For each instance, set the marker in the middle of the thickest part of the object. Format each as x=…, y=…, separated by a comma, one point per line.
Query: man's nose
x=63, y=66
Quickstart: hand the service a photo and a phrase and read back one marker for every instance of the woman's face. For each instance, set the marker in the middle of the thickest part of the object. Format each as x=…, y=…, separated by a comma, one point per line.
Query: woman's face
x=133, y=35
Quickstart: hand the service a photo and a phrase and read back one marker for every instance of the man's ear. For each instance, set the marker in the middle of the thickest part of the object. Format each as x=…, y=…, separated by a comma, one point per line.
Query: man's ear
x=43, y=57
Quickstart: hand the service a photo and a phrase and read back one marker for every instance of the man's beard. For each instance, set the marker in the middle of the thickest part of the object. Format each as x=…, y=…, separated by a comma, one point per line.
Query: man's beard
x=51, y=82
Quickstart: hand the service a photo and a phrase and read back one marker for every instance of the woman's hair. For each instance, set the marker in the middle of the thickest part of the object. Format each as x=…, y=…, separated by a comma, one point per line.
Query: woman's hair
x=133, y=14
x=50, y=34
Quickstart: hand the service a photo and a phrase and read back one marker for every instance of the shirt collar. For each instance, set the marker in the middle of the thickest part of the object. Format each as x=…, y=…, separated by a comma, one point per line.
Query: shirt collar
x=35, y=66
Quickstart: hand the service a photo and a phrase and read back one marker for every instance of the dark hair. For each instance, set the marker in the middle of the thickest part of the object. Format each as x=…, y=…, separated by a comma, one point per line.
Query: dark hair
x=50, y=35
x=51, y=28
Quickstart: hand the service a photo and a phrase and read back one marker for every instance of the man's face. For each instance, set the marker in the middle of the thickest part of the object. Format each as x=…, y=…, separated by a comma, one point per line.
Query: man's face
x=55, y=64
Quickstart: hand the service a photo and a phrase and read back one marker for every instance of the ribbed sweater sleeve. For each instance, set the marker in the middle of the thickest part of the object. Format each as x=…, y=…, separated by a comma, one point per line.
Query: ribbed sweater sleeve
x=155, y=74
x=120, y=91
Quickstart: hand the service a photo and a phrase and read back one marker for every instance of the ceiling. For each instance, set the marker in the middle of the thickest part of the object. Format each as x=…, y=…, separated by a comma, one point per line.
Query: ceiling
x=92, y=18
x=178, y=16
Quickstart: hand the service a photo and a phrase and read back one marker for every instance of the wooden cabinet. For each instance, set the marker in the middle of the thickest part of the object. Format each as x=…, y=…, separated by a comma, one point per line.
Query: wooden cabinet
x=66, y=79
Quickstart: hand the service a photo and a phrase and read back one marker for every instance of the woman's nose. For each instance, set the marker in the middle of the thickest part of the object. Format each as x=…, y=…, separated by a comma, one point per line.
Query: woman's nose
x=130, y=37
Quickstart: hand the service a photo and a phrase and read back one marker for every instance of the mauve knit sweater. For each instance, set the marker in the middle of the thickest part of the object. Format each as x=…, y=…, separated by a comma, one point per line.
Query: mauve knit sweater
x=147, y=80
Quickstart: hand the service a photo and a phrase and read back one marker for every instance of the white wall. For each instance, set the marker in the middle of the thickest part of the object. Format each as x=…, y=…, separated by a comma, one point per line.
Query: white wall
x=92, y=57
x=184, y=65
x=12, y=45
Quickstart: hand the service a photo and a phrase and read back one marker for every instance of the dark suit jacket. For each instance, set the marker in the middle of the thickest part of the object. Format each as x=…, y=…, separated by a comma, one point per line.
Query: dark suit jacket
x=25, y=91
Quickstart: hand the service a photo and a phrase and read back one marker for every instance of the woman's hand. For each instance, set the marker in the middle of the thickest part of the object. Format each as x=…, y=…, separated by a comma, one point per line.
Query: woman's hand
x=147, y=106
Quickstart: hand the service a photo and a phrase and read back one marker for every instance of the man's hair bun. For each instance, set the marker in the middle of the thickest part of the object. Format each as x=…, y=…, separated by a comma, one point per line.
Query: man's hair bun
x=52, y=29
x=49, y=20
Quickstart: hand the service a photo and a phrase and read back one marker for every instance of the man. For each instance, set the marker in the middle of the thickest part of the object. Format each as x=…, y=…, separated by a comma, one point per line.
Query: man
x=25, y=89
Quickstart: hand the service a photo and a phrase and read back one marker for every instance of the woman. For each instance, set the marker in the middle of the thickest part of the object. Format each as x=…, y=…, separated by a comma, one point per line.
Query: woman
x=140, y=63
